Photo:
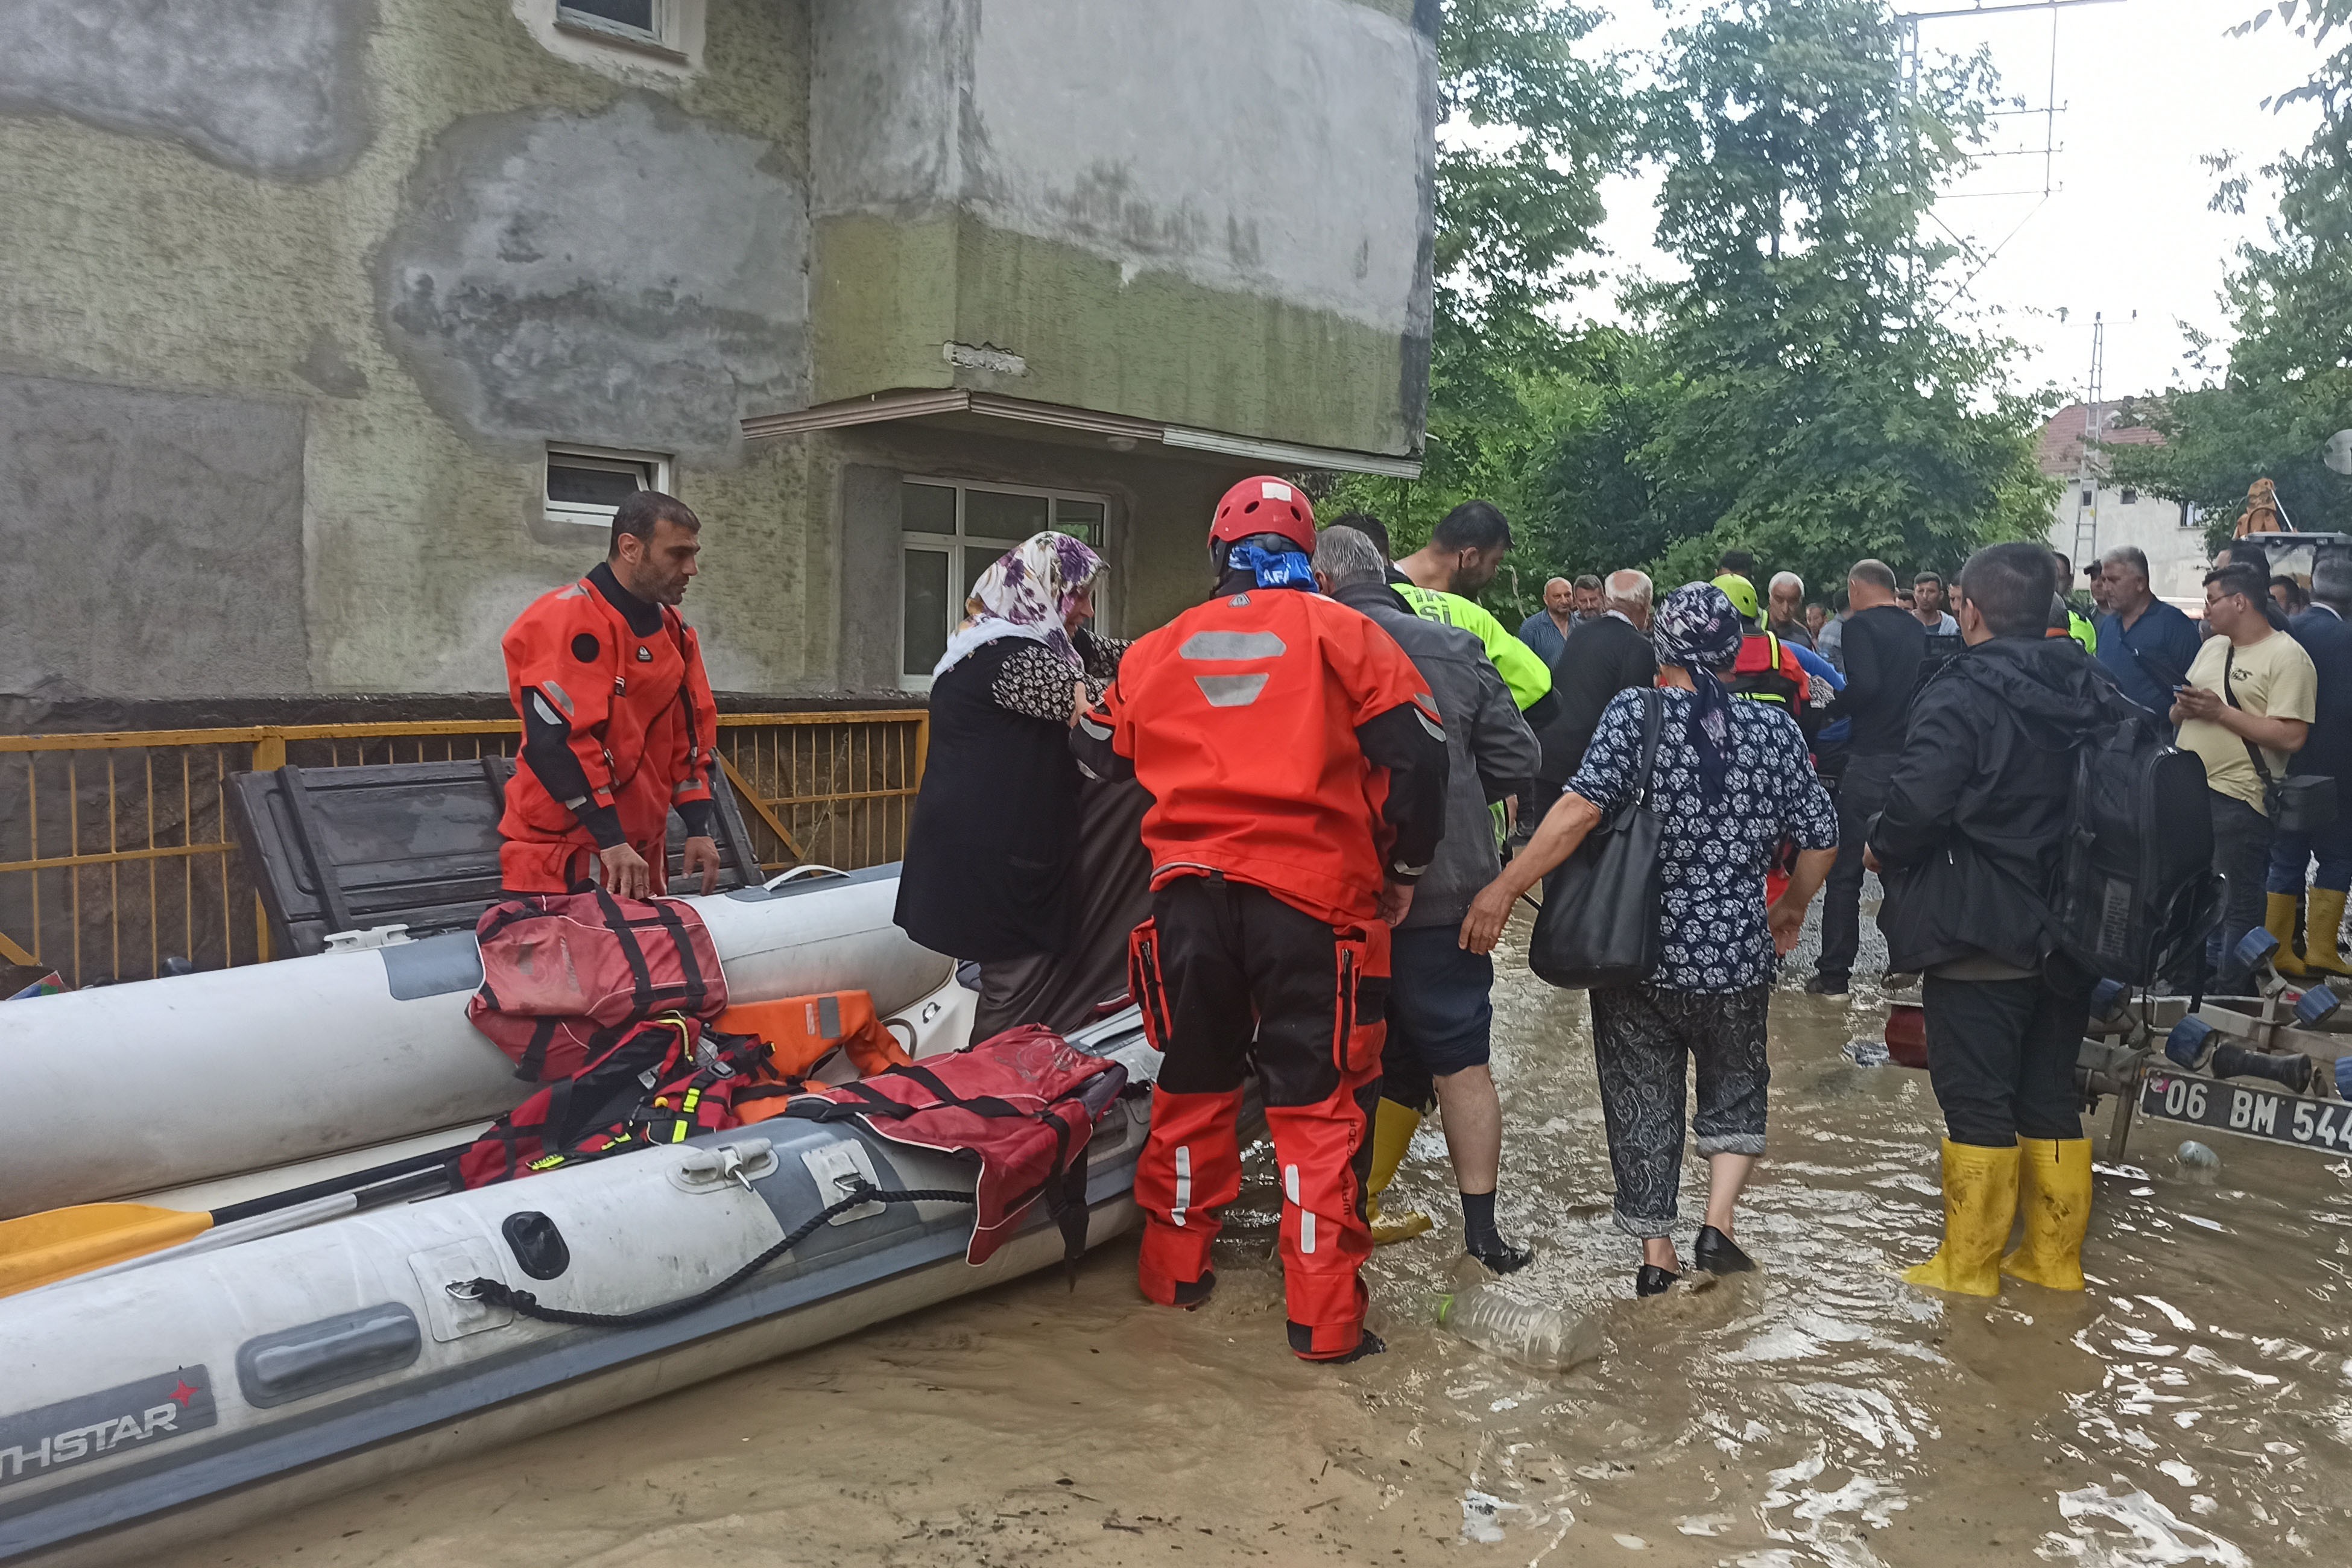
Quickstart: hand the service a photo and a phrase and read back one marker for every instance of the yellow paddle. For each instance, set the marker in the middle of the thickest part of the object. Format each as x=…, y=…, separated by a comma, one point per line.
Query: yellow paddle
x=42, y=1248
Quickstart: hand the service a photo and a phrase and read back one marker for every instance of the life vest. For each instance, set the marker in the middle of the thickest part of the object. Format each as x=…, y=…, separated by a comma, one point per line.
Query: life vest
x=664, y=1082
x=1767, y=672
x=642, y=722
x=1024, y=1102
x=566, y=976
x=802, y=1031
x=1240, y=717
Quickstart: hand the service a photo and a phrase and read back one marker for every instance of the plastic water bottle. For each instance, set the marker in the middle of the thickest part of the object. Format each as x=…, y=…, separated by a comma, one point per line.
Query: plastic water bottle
x=1544, y=1338
x=2197, y=1162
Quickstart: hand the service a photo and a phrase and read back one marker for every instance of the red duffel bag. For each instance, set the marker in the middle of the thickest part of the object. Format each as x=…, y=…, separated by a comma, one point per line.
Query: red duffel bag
x=1023, y=1103
x=567, y=976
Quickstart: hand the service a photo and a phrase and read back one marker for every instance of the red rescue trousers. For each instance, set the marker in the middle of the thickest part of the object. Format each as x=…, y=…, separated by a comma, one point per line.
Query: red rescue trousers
x=1231, y=977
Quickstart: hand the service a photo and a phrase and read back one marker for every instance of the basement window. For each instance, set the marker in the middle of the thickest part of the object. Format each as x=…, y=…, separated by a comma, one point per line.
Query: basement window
x=587, y=484
x=646, y=25
x=954, y=532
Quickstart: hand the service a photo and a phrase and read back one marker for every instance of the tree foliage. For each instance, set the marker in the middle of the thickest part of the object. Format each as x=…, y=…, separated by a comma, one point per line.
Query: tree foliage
x=2284, y=387
x=1806, y=390
x=1827, y=399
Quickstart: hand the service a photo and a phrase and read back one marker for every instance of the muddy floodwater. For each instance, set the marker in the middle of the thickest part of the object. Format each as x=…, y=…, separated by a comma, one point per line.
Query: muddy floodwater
x=2195, y=1406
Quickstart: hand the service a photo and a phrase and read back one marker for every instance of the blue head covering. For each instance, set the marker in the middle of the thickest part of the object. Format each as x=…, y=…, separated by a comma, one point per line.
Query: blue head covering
x=1697, y=629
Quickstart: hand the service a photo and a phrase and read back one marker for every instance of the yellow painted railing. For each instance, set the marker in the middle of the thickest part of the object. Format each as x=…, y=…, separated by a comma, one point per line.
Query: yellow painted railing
x=118, y=849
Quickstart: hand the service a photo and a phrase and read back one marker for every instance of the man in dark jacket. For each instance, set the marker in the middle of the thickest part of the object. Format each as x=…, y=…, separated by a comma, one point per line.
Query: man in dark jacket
x=1440, y=1015
x=1974, y=816
x=2325, y=636
x=1608, y=655
x=1883, y=645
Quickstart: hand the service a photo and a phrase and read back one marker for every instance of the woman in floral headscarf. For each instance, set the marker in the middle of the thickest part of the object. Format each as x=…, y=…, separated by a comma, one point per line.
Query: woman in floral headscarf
x=1009, y=862
x=1732, y=777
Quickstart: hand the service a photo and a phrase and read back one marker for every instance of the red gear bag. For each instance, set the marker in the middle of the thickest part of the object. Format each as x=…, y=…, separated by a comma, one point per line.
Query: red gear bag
x=567, y=976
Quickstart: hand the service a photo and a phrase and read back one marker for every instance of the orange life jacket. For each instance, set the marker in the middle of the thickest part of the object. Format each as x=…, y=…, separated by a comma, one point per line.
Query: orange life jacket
x=802, y=1031
x=1767, y=672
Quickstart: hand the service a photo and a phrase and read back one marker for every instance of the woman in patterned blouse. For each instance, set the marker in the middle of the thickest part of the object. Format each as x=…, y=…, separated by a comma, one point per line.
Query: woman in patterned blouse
x=1731, y=778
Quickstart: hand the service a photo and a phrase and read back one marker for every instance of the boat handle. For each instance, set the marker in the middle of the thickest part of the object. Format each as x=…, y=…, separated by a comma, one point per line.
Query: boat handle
x=811, y=869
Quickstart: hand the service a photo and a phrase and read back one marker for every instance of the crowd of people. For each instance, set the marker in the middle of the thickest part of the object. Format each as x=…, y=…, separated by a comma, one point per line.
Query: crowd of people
x=1291, y=824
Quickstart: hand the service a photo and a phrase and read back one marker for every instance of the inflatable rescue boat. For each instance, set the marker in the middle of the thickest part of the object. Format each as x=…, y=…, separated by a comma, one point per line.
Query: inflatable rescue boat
x=331, y=1342
x=280, y=1064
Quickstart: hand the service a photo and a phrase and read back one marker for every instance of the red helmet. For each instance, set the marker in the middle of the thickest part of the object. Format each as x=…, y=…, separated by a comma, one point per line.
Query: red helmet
x=1265, y=505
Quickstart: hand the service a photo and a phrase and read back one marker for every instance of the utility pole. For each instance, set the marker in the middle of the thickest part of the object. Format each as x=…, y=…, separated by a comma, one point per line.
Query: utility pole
x=1907, y=64
x=2086, y=475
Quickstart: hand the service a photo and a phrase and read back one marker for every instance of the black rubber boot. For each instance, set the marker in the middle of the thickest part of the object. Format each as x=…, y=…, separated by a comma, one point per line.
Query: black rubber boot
x=1503, y=1258
x=1190, y=1296
x=1719, y=1254
x=1651, y=1280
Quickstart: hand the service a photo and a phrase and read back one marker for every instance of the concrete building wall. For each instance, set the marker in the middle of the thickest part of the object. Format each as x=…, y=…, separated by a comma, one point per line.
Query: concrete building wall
x=451, y=247
x=203, y=497
x=298, y=291
x=1235, y=194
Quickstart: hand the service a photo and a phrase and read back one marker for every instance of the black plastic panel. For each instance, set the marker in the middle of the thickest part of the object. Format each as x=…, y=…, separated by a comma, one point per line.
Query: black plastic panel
x=413, y=844
x=295, y=1364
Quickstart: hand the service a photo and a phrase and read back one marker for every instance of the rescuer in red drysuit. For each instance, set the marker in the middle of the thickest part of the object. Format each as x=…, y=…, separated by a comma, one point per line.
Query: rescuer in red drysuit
x=1297, y=770
x=617, y=720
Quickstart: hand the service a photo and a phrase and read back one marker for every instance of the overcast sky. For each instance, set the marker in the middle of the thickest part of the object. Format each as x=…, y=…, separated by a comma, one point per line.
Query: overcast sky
x=2147, y=87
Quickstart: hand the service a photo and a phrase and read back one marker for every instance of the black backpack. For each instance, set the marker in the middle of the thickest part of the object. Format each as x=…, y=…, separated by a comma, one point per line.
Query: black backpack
x=2136, y=891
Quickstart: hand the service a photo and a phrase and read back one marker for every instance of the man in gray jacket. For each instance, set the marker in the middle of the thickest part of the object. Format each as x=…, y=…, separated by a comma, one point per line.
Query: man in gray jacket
x=1440, y=1016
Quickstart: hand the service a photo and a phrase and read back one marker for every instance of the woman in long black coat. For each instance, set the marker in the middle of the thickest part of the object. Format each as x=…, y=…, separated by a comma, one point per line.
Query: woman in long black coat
x=1011, y=862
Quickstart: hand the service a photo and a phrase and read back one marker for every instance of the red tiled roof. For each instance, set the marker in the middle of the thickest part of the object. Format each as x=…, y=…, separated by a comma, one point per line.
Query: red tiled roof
x=2059, y=449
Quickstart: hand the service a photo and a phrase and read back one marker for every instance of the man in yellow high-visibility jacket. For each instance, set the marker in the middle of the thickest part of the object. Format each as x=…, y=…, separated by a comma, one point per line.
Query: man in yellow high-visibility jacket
x=1460, y=559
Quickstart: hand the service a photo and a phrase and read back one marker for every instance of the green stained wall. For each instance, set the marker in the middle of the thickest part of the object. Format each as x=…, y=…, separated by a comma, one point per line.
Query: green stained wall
x=890, y=294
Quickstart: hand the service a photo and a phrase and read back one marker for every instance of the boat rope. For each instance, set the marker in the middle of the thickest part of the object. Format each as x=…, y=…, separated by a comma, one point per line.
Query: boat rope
x=498, y=1293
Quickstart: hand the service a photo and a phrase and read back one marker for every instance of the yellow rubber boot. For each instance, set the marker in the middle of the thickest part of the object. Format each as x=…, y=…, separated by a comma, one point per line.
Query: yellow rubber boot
x=1393, y=1126
x=2322, y=927
x=1979, y=1201
x=2278, y=919
x=2053, y=1195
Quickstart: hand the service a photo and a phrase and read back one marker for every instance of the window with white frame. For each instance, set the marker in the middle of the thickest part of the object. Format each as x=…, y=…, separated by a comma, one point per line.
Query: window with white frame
x=2191, y=515
x=587, y=484
x=953, y=531
x=642, y=24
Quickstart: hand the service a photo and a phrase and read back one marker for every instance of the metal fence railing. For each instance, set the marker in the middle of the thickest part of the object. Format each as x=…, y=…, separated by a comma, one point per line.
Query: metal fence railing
x=118, y=849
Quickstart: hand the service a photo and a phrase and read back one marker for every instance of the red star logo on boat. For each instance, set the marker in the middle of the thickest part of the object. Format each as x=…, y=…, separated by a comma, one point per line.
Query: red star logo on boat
x=181, y=1394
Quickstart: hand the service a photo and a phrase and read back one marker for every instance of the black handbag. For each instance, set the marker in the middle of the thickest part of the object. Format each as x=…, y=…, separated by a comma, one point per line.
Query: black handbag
x=2299, y=803
x=1599, y=920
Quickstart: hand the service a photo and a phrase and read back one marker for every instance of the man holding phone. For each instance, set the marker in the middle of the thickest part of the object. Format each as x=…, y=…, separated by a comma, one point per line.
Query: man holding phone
x=2250, y=688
